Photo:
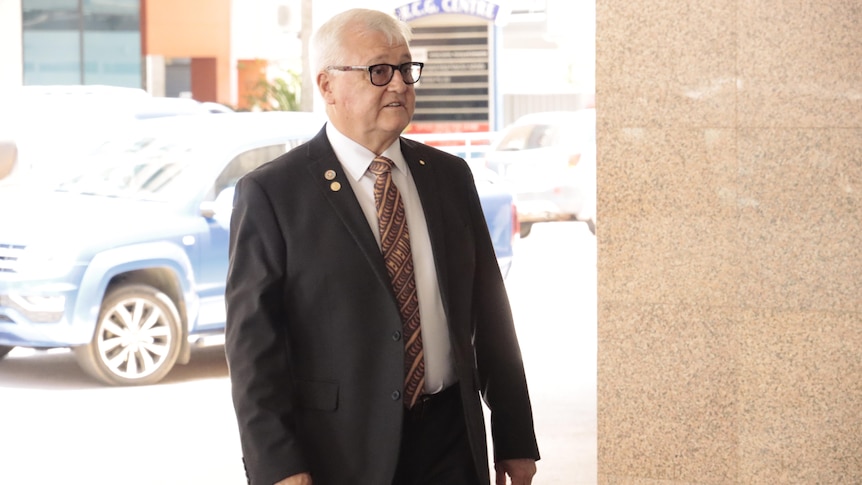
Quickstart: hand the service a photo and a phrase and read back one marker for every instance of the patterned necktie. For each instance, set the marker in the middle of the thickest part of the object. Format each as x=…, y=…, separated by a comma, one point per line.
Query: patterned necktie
x=395, y=245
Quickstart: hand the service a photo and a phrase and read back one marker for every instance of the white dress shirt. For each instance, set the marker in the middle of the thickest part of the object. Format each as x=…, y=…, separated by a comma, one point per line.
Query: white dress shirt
x=439, y=367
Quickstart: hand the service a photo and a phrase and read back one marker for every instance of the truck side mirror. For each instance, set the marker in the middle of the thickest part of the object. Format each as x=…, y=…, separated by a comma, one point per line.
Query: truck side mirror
x=220, y=208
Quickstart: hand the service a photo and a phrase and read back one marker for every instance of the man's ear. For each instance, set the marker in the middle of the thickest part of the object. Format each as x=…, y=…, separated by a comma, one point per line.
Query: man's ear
x=324, y=85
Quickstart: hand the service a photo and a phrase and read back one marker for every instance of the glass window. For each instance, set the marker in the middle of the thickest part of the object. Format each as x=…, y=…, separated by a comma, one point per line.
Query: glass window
x=82, y=42
x=55, y=15
x=113, y=16
x=52, y=57
x=516, y=138
x=244, y=163
x=112, y=43
x=112, y=58
x=52, y=44
x=543, y=136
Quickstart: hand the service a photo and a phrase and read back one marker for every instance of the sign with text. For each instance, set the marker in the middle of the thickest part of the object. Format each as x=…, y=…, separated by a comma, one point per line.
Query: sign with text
x=422, y=8
x=455, y=87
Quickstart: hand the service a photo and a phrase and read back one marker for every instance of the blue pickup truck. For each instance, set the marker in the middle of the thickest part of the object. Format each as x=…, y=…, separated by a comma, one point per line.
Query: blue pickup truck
x=126, y=263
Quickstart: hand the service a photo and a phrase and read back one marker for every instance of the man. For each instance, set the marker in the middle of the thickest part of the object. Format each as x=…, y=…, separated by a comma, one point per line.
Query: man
x=333, y=381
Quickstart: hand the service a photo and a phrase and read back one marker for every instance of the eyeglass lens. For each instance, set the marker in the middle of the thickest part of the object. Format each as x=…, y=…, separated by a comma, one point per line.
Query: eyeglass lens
x=382, y=74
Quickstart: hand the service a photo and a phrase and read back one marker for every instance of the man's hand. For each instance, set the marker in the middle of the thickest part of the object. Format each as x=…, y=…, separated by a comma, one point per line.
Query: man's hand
x=521, y=471
x=299, y=479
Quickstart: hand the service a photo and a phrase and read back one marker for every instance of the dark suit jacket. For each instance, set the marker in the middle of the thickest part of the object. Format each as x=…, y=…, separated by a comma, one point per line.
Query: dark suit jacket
x=312, y=345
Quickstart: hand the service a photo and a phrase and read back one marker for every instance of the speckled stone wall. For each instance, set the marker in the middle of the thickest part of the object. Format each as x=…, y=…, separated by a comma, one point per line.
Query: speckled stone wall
x=730, y=241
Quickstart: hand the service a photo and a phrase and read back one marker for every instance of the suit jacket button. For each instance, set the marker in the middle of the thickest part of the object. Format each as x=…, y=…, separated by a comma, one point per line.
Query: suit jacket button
x=396, y=335
x=396, y=395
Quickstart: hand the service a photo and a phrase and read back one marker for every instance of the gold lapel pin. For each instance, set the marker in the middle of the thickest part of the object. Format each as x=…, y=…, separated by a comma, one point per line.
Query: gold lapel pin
x=329, y=174
x=421, y=162
x=335, y=186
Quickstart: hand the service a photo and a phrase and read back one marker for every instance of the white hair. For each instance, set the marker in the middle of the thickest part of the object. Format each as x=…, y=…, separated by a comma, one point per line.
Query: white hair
x=327, y=45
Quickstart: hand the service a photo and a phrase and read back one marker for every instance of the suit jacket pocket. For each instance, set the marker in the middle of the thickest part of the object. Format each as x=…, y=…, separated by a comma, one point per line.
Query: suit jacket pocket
x=319, y=395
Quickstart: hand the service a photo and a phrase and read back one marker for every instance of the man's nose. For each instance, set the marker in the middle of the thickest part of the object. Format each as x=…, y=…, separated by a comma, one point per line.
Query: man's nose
x=397, y=83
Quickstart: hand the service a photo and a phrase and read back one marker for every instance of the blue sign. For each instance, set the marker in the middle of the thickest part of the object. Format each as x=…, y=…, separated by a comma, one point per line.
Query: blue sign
x=423, y=8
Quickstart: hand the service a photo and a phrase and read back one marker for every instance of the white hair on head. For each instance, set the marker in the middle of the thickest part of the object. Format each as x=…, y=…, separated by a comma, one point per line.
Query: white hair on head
x=327, y=45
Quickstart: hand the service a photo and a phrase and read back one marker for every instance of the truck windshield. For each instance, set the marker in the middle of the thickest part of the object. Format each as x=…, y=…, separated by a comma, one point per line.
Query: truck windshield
x=147, y=168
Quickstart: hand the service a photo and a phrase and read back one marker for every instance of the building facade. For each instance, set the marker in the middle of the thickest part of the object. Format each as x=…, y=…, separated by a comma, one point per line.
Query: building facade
x=179, y=48
x=220, y=50
x=729, y=195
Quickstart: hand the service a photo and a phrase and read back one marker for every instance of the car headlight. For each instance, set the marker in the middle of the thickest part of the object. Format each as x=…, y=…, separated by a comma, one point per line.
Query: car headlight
x=45, y=262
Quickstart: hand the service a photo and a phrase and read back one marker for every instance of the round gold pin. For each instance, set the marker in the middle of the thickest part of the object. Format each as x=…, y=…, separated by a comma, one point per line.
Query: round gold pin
x=421, y=162
x=329, y=174
x=335, y=186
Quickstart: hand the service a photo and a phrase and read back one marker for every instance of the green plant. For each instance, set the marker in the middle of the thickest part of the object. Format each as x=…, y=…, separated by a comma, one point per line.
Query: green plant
x=278, y=94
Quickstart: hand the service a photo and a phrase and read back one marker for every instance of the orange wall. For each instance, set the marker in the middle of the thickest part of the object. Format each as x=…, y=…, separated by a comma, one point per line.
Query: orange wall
x=194, y=29
x=250, y=72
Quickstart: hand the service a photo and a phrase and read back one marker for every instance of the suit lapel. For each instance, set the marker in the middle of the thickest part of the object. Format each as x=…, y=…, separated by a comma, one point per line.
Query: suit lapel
x=329, y=176
x=428, y=187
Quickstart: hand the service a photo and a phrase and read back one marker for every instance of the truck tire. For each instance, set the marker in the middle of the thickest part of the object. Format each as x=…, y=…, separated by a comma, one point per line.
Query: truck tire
x=5, y=349
x=137, y=338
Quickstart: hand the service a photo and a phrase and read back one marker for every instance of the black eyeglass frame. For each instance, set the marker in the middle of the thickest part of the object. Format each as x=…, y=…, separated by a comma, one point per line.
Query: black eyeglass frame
x=407, y=67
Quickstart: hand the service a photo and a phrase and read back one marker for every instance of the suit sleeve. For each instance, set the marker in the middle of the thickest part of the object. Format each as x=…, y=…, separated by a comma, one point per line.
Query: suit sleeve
x=256, y=341
x=502, y=379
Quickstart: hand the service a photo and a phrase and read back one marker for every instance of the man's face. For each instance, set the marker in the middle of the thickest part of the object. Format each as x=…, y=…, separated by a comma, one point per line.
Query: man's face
x=373, y=116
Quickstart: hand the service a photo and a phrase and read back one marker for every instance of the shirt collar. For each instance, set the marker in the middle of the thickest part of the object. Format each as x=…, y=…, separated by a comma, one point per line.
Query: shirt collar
x=355, y=158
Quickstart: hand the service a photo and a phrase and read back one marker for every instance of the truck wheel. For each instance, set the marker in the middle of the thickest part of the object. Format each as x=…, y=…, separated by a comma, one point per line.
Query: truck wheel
x=137, y=337
x=5, y=349
x=526, y=228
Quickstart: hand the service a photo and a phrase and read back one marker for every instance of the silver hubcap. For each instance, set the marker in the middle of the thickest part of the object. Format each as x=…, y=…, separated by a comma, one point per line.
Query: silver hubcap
x=135, y=338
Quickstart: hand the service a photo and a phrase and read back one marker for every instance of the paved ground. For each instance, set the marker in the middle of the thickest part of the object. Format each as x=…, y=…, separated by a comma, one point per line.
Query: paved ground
x=61, y=427
x=553, y=292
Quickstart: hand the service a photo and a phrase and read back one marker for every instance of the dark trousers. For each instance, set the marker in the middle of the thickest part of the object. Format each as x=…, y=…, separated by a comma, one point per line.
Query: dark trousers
x=434, y=445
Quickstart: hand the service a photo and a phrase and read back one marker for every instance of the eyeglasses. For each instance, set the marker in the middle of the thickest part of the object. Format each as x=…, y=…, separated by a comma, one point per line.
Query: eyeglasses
x=382, y=74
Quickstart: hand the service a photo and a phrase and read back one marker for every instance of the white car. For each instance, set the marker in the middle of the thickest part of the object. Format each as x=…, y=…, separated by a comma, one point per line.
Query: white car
x=51, y=127
x=549, y=159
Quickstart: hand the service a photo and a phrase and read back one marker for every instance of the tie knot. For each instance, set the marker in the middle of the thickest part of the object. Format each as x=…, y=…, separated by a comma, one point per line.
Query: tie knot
x=381, y=165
